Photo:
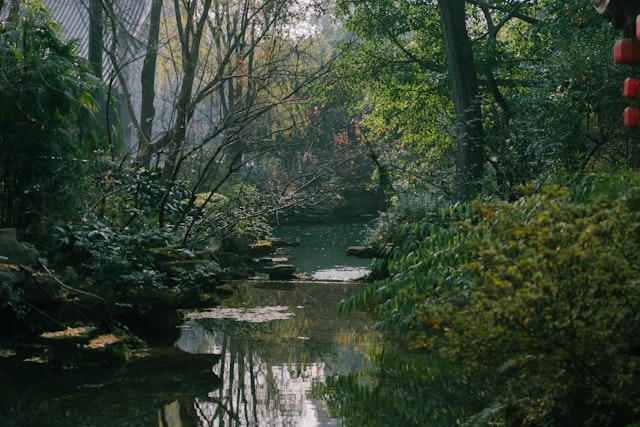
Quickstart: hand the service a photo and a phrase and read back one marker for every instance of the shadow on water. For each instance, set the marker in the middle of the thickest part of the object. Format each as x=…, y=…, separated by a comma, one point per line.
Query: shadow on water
x=156, y=384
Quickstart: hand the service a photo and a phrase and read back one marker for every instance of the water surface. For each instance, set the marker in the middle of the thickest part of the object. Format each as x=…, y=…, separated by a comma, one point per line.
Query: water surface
x=275, y=352
x=252, y=362
x=321, y=250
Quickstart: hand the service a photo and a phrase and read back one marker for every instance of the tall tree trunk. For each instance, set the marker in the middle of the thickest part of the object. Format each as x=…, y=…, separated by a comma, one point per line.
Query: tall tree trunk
x=464, y=85
x=96, y=31
x=148, y=82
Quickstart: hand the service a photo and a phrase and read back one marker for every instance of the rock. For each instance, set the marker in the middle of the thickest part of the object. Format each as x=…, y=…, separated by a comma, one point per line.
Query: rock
x=270, y=260
x=63, y=347
x=261, y=248
x=11, y=273
x=236, y=244
x=83, y=347
x=81, y=335
x=281, y=272
x=16, y=252
x=228, y=259
x=104, y=350
x=169, y=254
x=278, y=242
x=361, y=252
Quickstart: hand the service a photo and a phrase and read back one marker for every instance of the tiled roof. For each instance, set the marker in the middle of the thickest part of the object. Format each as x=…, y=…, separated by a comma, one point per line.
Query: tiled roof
x=73, y=16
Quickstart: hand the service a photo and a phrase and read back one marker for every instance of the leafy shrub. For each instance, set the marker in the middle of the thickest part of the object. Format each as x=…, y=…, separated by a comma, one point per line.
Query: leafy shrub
x=113, y=262
x=550, y=306
x=538, y=300
x=416, y=247
x=131, y=196
x=47, y=121
x=238, y=210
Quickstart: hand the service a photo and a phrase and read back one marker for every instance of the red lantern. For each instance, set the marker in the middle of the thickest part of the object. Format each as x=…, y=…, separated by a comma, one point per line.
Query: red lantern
x=627, y=52
x=631, y=117
x=631, y=88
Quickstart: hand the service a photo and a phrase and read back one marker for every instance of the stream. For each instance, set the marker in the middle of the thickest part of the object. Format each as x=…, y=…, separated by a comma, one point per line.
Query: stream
x=274, y=354
x=321, y=250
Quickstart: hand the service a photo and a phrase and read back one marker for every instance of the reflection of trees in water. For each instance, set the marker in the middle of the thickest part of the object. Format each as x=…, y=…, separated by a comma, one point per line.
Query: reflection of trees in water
x=402, y=388
x=268, y=368
x=265, y=381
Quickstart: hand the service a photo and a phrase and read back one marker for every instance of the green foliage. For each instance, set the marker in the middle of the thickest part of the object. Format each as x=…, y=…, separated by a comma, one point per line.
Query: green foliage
x=113, y=262
x=418, y=251
x=46, y=121
x=130, y=196
x=550, y=307
x=392, y=71
x=550, y=94
x=568, y=117
x=402, y=388
x=238, y=209
x=537, y=300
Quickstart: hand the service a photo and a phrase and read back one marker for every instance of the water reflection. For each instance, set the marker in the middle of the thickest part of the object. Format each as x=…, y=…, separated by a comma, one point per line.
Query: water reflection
x=157, y=387
x=255, y=365
x=273, y=354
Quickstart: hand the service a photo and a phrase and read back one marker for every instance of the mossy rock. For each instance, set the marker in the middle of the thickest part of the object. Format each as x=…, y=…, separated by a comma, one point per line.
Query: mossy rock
x=104, y=350
x=63, y=347
x=261, y=248
x=366, y=252
x=281, y=272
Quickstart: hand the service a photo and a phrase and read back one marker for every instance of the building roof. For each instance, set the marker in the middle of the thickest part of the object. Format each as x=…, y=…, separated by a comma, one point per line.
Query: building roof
x=73, y=17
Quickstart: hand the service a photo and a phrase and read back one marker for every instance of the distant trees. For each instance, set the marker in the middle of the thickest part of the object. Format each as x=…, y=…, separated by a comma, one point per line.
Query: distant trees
x=222, y=86
x=220, y=97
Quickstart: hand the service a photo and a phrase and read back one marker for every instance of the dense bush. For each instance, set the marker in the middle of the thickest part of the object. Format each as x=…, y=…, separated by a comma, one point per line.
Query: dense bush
x=537, y=299
x=551, y=307
x=113, y=263
x=47, y=122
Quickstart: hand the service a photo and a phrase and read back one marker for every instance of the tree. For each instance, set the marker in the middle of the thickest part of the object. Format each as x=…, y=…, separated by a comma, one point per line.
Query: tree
x=46, y=121
x=464, y=84
x=395, y=26
x=147, y=85
x=221, y=87
x=95, y=36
